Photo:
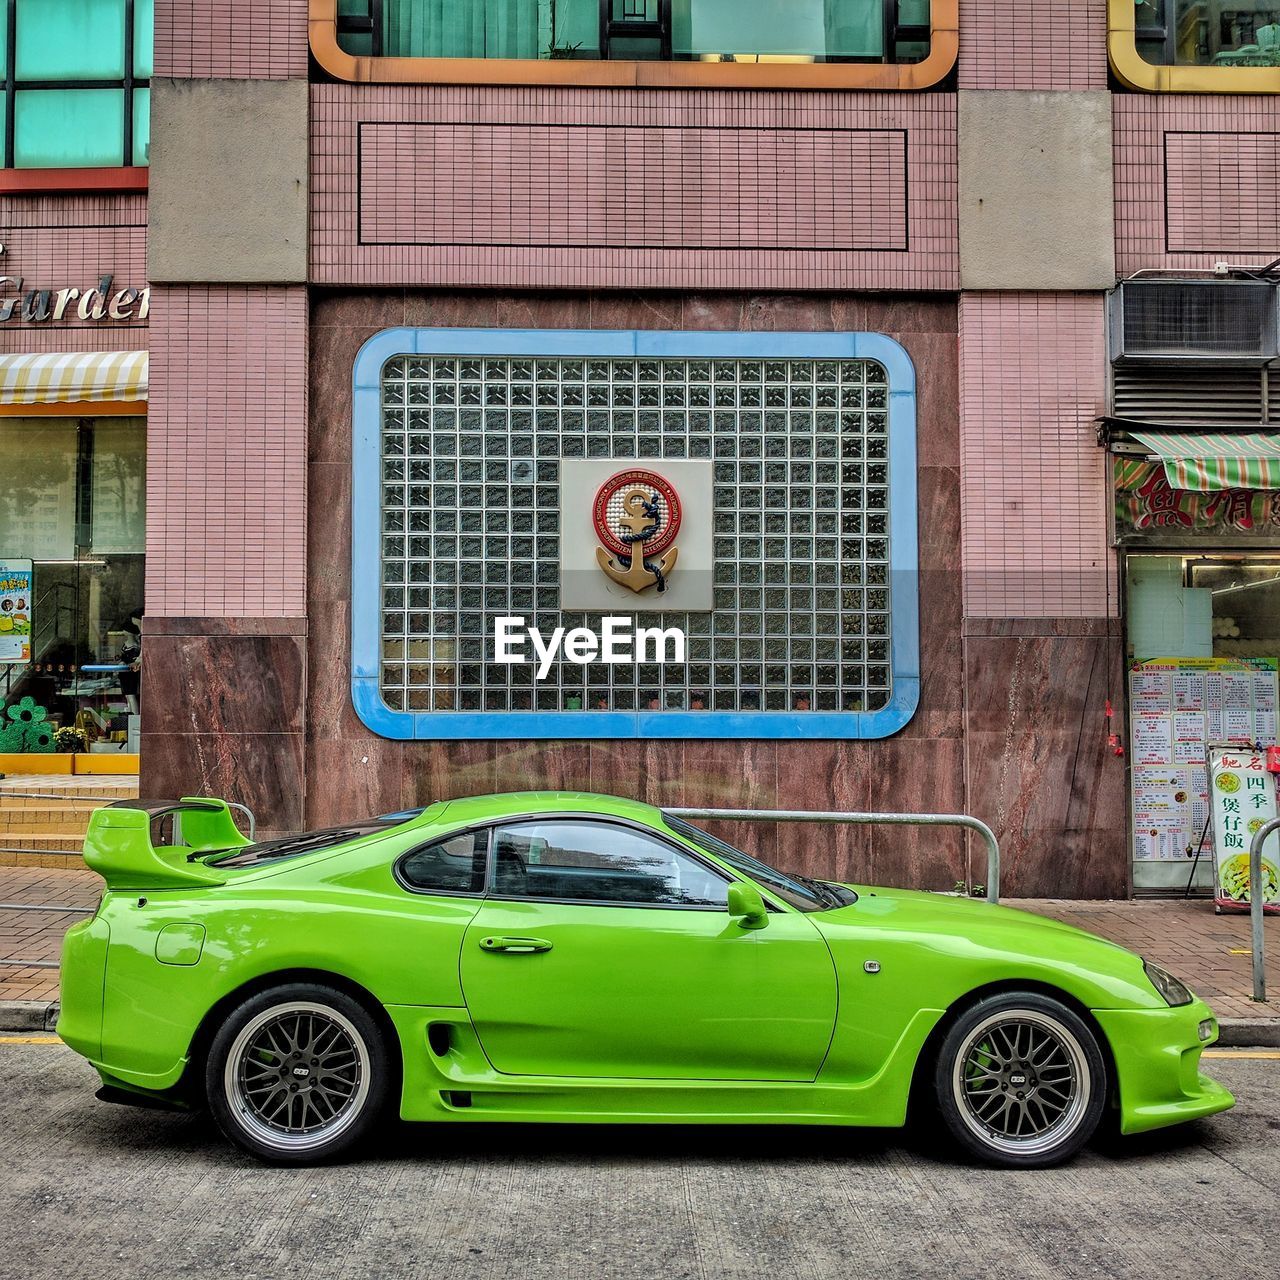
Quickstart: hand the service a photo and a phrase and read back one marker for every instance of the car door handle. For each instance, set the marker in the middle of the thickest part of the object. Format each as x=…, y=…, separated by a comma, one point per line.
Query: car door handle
x=519, y=946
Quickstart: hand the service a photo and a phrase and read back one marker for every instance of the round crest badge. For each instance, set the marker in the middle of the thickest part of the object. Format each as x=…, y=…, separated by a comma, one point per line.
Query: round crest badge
x=637, y=517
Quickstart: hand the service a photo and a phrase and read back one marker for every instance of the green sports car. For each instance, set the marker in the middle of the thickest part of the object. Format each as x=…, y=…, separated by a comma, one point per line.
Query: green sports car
x=565, y=957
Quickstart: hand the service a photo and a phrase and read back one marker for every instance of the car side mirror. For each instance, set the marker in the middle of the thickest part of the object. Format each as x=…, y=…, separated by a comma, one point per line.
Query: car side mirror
x=746, y=906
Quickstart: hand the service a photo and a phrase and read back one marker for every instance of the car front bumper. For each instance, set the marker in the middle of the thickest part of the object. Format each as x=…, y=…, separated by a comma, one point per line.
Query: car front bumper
x=1157, y=1057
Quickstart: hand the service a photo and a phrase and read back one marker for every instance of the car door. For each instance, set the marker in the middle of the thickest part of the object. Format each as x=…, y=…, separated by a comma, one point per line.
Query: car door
x=602, y=950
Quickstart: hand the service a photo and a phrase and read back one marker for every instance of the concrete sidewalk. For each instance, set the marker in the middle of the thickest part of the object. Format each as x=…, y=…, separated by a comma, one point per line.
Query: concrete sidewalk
x=1210, y=953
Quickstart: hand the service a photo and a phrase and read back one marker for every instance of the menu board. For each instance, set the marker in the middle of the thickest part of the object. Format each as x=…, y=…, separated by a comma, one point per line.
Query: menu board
x=1243, y=802
x=1177, y=707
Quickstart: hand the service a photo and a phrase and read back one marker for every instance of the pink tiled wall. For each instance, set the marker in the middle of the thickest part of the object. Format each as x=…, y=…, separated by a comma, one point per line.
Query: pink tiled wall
x=821, y=169
x=1222, y=192
x=1043, y=44
x=227, y=452
x=231, y=39
x=1195, y=180
x=614, y=187
x=56, y=242
x=1033, y=493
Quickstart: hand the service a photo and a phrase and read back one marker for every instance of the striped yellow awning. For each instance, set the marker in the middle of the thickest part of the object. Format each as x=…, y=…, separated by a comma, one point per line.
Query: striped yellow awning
x=73, y=377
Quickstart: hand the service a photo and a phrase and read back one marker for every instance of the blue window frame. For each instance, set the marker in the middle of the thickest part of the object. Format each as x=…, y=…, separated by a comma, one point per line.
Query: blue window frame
x=393, y=348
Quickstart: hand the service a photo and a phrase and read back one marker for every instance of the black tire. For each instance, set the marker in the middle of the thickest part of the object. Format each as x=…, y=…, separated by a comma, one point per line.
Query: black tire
x=298, y=1074
x=1021, y=1081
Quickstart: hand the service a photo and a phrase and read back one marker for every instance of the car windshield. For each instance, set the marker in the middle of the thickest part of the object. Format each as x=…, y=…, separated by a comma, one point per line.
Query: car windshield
x=802, y=892
x=305, y=842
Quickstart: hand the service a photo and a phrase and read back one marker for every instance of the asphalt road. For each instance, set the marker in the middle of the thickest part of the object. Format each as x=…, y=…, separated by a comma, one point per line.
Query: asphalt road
x=92, y=1189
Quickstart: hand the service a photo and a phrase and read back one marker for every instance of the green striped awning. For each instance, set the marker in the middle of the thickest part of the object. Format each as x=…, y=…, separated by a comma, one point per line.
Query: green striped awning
x=1207, y=463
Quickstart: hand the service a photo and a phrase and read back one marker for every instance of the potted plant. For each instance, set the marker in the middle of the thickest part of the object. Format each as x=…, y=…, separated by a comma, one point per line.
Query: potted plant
x=68, y=739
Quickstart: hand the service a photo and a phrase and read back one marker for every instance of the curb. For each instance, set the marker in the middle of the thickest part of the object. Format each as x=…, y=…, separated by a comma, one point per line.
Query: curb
x=1233, y=1033
x=28, y=1015
x=1249, y=1033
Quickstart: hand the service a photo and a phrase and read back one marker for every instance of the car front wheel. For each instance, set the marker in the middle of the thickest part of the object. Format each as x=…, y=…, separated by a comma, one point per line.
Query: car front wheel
x=1021, y=1081
x=297, y=1074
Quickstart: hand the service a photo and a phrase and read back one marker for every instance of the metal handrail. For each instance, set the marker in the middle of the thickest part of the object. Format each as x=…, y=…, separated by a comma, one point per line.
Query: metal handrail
x=867, y=819
x=1257, y=894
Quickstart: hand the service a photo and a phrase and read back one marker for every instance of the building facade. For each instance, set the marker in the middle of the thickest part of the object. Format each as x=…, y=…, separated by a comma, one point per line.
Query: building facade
x=430, y=286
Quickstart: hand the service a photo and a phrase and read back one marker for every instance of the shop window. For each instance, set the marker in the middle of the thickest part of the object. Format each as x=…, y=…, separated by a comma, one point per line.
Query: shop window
x=73, y=515
x=795, y=34
x=1203, y=631
x=76, y=83
x=1228, y=46
x=811, y=560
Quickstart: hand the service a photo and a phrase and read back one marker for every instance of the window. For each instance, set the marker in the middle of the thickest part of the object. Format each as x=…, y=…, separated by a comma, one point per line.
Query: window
x=880, y=44
x=639, y=30
x=74, y=503
x=1209, y=33
x=453, y=865
x=471, y=526
x=802, y=892
x=806, y=618
x=77, y=82
x=599, y=862
x=1196, y=46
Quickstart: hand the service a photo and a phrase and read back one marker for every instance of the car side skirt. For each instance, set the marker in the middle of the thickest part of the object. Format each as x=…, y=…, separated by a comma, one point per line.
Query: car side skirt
x=448, y=1077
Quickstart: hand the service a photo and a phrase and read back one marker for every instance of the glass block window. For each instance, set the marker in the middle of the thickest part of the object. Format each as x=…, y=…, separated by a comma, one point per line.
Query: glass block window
x=76, y=82
x=469, y=528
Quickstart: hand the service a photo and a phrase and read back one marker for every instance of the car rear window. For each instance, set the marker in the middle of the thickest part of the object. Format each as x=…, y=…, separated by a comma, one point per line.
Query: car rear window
x=309, y=841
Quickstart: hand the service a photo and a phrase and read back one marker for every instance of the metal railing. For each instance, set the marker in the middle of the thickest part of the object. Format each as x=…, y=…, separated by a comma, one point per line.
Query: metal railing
x=866, y=820
x=1257, y=896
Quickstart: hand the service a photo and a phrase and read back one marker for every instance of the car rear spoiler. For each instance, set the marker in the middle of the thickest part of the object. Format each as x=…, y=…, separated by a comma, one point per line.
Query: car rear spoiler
x=119, y=848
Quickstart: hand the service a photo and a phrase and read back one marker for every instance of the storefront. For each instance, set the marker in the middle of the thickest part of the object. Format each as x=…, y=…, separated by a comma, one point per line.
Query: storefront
x=1197, y=520
x=72, y=556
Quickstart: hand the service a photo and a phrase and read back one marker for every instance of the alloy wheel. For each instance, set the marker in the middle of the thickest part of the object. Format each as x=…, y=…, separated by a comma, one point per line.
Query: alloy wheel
x=297, y=1075
x=1021, y=1082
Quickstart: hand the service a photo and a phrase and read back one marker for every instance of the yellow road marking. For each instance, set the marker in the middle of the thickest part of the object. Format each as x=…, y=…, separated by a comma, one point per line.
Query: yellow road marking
x=1241, y=1053
x=30, y=1040
x=1240, y=951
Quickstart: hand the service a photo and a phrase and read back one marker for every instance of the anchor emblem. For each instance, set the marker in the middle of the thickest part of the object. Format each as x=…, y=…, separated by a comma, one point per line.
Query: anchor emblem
x=637, y=517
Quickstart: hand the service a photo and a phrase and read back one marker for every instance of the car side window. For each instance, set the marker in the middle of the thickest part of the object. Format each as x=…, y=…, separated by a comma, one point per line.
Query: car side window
x=576, y=861
x=455, y=864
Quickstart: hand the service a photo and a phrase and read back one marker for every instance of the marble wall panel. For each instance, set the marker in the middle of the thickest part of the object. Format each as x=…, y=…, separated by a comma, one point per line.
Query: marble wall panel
x=922, y=768
x=1040, y=771
x=262, y=770
x=223, y=710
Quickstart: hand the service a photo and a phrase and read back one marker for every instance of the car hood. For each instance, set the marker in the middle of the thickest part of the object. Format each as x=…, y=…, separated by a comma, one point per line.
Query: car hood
x=914, y=911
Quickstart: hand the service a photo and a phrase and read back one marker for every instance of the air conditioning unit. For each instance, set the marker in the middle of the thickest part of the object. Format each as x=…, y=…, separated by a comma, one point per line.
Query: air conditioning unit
x=1205, y=322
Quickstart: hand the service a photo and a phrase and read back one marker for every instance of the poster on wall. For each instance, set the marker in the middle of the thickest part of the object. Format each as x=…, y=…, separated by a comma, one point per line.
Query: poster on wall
x=1243, y=801
x=15, y=610
x=1177, y=707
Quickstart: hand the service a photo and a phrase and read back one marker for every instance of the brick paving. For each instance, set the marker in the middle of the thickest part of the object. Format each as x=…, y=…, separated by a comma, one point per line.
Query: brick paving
x=1207, y=951
x=37, y=935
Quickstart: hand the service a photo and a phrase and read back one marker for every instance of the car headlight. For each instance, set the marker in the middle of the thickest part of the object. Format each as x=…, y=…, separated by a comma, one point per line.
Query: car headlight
x=1173, y=991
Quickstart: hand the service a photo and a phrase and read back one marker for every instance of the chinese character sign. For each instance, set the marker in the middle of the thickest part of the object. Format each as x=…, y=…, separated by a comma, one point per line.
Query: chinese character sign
x=1242, y=800
x=15, y=610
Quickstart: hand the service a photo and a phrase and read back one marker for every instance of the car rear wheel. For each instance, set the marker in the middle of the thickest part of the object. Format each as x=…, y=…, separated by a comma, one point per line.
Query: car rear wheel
x=1021, y=1081
x=297, y=1074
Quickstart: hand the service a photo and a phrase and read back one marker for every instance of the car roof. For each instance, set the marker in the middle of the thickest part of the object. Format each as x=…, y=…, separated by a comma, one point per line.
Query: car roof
x=475, y=809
